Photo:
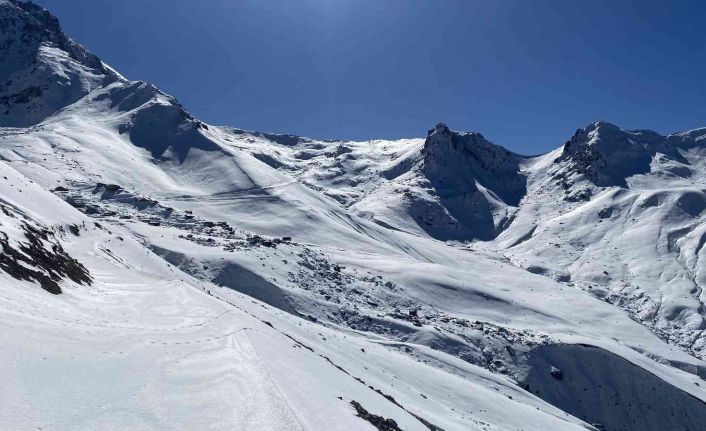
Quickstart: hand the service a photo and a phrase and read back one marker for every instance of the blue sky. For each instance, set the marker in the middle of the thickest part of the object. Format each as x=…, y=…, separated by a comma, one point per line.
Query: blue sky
x=524, y=73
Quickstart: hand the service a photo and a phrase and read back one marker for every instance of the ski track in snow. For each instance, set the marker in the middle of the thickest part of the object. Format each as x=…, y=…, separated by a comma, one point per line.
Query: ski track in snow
x=162, y=273
x=196, y=374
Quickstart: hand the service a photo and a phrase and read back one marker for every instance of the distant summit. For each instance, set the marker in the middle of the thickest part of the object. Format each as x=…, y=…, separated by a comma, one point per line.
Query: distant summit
x=458, y=160
x=606, y=154
x=457, y=186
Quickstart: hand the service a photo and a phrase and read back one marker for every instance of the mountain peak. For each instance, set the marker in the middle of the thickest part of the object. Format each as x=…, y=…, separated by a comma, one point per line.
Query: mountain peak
x=602, y=124
x=460, y=159
x=440, y=128
x=607, y=154
x=43, y=70
x=442, y=141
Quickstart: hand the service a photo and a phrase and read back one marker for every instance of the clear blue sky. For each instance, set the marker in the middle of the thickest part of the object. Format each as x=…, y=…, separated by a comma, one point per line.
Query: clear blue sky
x=524, y=73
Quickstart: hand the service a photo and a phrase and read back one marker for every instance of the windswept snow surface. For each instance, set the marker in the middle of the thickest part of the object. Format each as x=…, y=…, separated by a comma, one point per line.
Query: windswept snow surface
x=162, y=273
x=148, y=347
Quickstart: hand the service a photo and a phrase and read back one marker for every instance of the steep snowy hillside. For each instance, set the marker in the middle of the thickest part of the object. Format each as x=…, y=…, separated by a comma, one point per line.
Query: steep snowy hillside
x=132, y=343
x=463, y=188
x=184, y=275
x=607, y=155
x=42, y=70
x=450, y=186
x=620, y=214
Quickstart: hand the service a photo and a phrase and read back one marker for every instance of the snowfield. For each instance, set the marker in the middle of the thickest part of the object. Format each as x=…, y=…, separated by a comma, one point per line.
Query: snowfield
x=162, y=273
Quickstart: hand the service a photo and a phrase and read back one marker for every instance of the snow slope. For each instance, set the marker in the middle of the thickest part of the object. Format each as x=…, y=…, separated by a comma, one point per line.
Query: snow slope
x=193, y=276
x=635, y=245
x=144, y=346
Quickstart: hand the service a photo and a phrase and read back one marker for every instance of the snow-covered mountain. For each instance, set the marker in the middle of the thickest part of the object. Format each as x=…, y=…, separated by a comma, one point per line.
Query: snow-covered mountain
x=162, y=273
x=42, y=69
x=463, y=187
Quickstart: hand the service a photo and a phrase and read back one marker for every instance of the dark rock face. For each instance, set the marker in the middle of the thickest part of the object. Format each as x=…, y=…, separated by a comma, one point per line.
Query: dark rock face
x=34, y=261
x=44, y=27
x=605, y=212
x=42, y=69
x=556, y=373
x=606, y=154
x=459, y=159
x=378, y=422
x=471, y=183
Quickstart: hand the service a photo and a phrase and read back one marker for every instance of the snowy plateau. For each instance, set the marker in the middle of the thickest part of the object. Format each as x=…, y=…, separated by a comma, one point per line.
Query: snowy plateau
x=160, y=273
